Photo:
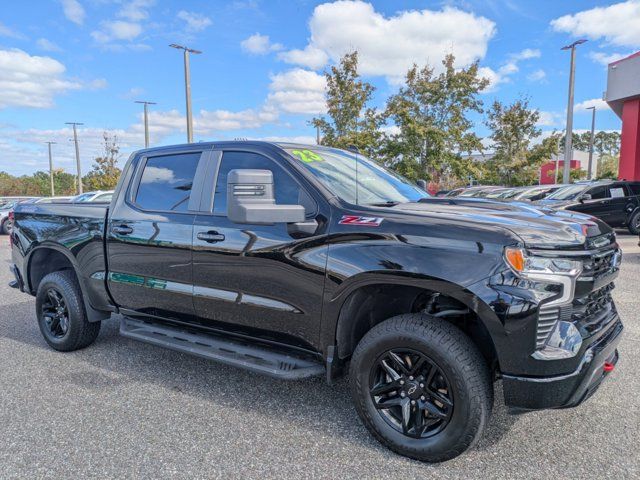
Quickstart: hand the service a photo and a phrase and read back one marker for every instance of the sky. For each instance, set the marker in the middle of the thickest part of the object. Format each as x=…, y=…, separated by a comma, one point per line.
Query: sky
x=260, y=75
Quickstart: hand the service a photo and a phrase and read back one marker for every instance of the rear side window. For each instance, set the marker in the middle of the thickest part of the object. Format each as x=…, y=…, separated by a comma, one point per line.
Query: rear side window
x=287, y=191
x=166, y=181
x=635, y=188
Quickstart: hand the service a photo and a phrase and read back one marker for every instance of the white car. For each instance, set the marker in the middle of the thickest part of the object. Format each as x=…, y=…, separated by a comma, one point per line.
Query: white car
x=103, y=196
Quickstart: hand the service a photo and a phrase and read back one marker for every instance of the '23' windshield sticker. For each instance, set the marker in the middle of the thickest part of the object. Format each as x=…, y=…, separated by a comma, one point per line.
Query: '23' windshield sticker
x=361, y=221
x=307, y=156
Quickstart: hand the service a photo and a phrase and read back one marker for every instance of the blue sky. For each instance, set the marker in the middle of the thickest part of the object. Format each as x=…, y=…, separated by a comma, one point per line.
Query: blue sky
x=260, y=75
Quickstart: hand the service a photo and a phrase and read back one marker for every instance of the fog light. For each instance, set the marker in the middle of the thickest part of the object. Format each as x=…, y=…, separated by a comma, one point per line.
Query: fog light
x=564, y=342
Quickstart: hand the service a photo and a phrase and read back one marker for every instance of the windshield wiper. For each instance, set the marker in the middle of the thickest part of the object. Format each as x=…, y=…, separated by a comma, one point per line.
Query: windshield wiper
x=388, y=203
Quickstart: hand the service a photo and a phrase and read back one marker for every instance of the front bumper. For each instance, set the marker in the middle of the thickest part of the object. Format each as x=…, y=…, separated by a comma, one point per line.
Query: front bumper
x=569, y=390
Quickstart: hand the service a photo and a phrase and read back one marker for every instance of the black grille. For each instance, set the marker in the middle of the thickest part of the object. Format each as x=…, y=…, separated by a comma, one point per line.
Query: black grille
x=599, y=265
x=592, y=304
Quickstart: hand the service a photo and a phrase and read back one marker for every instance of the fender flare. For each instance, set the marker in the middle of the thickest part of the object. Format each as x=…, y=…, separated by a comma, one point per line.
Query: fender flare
x=93, y=315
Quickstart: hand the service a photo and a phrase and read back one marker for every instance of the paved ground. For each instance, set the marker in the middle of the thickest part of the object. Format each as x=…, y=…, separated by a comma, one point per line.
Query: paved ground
x=125, y=409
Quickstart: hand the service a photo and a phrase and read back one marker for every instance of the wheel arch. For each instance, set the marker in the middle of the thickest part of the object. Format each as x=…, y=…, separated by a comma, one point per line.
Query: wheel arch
x=48, y=258
x=375, y=298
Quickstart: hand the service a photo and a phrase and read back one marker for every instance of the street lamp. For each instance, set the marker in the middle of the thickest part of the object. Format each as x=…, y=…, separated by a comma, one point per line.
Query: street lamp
x=75, y=141
x=568, y=137
x=51, y=167
x=146, y=121
x=187, y=87
x=593, y=127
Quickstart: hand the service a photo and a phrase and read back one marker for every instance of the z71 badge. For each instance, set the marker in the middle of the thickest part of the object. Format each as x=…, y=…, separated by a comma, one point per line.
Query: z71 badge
x=362, y=221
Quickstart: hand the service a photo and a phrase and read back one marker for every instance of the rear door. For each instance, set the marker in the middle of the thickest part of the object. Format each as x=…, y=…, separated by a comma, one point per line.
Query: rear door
x=149, y=234
x=259, y=279
x=620, y=202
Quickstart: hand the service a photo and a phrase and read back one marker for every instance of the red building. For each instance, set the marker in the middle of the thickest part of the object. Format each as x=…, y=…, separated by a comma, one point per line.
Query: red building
x=623, y=96
x=547, y=174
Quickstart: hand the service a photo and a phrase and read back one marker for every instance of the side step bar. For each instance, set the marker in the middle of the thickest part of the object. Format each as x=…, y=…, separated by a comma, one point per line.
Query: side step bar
x=257, y=358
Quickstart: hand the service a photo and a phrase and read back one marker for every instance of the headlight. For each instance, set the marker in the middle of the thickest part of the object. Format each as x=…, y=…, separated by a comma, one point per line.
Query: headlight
x=531, y=266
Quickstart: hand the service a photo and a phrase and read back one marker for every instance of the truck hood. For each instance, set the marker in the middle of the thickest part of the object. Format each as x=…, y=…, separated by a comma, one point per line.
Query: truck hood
x=536, y=226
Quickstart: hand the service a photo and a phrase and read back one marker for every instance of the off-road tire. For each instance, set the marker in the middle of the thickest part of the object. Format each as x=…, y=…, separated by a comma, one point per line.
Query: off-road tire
x=80, y=332
x=457, y=357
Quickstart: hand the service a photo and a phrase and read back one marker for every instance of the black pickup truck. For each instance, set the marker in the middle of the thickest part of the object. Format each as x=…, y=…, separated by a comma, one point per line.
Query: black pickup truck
x=296, y=261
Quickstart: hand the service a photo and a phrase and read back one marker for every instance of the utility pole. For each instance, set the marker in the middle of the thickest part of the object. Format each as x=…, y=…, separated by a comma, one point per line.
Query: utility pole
x=146, y=121
x=51, y=167
x=75, y=141
x=187, y=87
x=568, y=137
x=593, y=127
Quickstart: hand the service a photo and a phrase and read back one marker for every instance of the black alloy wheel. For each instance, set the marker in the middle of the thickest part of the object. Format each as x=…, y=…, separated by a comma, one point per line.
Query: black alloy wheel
x=411, y=393
x=55, y=313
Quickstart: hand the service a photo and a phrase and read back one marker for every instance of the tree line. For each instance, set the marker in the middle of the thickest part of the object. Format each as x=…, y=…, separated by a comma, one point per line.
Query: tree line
x=426, y=130
x=104, y=175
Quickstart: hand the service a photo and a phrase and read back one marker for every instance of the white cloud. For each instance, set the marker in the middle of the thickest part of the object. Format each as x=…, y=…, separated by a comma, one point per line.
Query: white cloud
x=117, y=30
x=550, y=119
x=510, y=67
x=31, y=81
x=136, y=10
x=537, y=76
x=196, y=22
x=594, y=102
x=617, y=24
x=73, y=10
x=133, y=93
x=9, y=32
x=388, y=46
x=607, y=58
x=98, y=84
x=258, y=44
x=298, y=91
x=304, y=139
x=310, y=57
x=47, y=45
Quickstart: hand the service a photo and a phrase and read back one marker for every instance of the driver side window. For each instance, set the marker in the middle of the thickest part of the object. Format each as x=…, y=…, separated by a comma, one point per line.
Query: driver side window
x=287, y=191
x=599, y=192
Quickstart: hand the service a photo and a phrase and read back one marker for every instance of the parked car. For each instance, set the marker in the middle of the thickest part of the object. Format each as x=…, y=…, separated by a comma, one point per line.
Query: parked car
x=6, y=212
x=102, y=196
x=61, y=199
x=478, y=191
x=537, y=192
x=613, y=201
x=280, y=259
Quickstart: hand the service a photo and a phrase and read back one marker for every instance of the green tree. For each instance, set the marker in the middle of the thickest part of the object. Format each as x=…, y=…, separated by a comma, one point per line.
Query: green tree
x=431, y=113
x=604, y=143
x=105, y=172
x=608, y=166
x=351, y=121
x=517, y=159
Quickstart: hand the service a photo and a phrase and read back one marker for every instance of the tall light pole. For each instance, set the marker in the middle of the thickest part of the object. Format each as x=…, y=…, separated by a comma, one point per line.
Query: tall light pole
x=146, y=121
x=568, y=136
x=187, y=87
x=593, y=128
x=51, y=167
x=75, y=141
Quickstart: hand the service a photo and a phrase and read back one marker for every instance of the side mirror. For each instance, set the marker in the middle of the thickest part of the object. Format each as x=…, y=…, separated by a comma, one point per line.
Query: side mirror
x=422, y=184
x=250, y=199
x=584, y=197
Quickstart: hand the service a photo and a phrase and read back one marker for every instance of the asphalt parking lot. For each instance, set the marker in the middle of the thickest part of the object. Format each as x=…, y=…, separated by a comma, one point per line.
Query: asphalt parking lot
x=123, y=409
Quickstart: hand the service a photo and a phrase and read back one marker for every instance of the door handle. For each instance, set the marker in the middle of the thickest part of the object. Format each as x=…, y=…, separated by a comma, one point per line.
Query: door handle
x=121, y=229
x=211, y=236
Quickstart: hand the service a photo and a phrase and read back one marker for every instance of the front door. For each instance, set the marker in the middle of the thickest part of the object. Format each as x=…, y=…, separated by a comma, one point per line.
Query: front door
x=149, y=235
x=258, y=279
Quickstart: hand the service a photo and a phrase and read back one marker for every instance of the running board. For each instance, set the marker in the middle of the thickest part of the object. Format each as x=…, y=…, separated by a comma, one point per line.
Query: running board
x=257, y=358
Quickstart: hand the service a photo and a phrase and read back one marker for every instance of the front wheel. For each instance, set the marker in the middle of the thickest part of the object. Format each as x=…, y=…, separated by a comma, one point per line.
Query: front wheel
x=421, y=387
x=6, y=226
x=634, y=223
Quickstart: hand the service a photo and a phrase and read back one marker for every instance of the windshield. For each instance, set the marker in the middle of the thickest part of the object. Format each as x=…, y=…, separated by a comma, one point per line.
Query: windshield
x=567, y=193
x=356, y=179
x=85, y=197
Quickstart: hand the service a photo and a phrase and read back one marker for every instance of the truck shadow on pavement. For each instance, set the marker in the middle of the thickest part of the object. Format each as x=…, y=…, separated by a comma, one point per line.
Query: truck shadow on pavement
x=311, y=404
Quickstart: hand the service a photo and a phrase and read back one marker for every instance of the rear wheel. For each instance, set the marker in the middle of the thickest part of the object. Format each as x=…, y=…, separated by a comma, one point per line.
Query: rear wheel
x=6, y=226
x=421, y=387
x=61, y=314
x=634, y=223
